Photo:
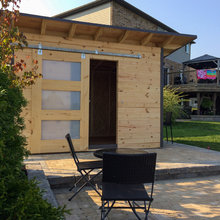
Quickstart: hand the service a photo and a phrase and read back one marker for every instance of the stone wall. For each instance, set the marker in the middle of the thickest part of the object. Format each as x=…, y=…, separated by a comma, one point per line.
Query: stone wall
x=123, y=17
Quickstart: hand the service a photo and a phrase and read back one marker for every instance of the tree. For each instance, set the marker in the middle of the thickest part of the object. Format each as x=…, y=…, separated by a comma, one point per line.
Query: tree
x=19, y=197
x=12, y=40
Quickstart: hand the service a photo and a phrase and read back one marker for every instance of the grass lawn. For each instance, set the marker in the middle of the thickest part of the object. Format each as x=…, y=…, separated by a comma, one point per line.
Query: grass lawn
x=197, y=133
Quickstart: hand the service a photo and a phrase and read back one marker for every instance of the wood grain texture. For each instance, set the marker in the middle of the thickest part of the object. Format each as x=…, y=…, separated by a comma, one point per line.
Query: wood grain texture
x=138, y=94
x=36, y=110
x=84, y=126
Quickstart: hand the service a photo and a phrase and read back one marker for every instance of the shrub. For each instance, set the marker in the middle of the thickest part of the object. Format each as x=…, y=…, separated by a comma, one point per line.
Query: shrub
x=12, y=144
x=207, y=103
x=171, y=102
x=19, y=198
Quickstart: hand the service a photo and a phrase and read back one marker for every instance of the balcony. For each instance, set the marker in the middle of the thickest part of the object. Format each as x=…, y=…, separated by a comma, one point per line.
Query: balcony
x=190, y=81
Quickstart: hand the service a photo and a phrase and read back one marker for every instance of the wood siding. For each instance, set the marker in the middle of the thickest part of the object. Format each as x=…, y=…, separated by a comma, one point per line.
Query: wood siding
x=138, y=94
x=99, y=15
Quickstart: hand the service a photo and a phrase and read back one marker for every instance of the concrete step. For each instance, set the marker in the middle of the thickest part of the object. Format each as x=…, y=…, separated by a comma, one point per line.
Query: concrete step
x=161, y=174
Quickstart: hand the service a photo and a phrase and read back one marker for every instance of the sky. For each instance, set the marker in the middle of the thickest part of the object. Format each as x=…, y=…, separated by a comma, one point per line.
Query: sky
x=196, y=17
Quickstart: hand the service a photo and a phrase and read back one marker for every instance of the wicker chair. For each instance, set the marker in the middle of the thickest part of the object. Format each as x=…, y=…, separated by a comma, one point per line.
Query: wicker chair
x=124, y=177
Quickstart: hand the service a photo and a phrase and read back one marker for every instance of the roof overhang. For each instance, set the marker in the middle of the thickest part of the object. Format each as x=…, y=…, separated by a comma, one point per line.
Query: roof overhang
x=203, y=62
x=69, y=29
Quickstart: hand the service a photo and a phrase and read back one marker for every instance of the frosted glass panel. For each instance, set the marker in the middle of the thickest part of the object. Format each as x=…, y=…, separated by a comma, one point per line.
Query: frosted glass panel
x=59, y=70
x=52, y=130
x=60, y=100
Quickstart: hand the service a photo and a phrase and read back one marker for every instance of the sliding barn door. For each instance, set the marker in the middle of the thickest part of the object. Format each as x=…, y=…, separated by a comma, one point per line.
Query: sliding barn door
x=60, y=103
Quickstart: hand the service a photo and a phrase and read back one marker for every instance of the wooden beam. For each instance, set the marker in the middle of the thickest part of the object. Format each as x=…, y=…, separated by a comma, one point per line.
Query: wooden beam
x=72, y=31
x=98, y=33
x=172, y=46
x=123, y=37
x=146, y=39
x=43, y=27
x=168, y=41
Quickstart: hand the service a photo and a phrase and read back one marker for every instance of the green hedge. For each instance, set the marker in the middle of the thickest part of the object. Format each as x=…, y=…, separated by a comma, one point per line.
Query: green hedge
x=19, y=197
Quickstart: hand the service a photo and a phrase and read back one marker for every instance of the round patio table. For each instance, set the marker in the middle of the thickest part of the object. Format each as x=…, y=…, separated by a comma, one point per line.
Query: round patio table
x=99, y=153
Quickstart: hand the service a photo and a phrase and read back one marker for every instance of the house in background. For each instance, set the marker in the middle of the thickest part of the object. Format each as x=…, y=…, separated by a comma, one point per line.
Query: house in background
x=122, y=14
x=201, y=84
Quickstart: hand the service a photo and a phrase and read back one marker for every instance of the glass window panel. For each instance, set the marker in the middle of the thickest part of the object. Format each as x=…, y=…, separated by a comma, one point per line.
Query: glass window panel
x=60, y=100
x=51, y=130
x=60, y=70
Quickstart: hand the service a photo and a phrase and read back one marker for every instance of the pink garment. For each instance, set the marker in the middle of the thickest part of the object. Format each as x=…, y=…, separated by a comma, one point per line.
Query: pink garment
x=206, y=74
x=201, y=74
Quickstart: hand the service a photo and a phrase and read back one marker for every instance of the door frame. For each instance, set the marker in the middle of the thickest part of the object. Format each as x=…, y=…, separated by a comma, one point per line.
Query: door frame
x=116, y=60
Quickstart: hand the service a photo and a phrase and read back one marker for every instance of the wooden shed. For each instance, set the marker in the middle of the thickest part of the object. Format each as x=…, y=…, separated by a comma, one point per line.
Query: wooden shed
x=102, y=84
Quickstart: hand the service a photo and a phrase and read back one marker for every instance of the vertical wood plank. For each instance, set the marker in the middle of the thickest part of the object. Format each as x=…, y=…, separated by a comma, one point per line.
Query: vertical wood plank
x=84, y=126
x=161, y=95
x=35, y=141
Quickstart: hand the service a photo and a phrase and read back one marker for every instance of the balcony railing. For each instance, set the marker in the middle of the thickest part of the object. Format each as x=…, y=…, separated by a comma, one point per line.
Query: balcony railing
x=191, y=78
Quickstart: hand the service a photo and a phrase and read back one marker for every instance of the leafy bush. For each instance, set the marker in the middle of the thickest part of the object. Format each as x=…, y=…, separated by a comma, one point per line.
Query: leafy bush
x=22, y=199
x=12, y=144
x=19, y=198
x=171, y=102
x=207, y=103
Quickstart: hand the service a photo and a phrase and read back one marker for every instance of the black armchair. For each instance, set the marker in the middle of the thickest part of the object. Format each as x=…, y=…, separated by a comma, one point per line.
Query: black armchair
x=124, y=177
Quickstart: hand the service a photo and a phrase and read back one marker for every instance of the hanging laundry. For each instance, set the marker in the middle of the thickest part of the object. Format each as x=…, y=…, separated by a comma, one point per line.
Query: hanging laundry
x=211, y=74
x=201, y=74
x=206, y=74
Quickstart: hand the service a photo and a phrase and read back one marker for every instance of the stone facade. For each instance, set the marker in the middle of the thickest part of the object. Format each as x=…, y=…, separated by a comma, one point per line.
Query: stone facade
x=124, y=17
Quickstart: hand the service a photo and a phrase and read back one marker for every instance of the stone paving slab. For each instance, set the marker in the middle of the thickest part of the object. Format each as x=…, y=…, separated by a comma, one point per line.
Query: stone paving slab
x=172, y=156
x=34, y=171
x=188, y=199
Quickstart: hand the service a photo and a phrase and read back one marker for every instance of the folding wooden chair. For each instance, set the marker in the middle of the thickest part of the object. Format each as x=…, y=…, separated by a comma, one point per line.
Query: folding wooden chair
x=124, y=176
x=84, y=168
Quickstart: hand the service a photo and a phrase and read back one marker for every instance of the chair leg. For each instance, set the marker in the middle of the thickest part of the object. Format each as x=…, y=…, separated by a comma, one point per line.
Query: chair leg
x=75, y=183
x=103, y=211
x=146, y=211
x=166, y=133
x=87, y=181
x=76, y=192
x=109, y=208
x=133, y=210
x=79, y=180
x=171, y=131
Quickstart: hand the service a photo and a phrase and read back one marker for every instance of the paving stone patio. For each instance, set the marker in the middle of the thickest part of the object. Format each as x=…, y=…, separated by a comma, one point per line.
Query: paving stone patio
x=171, y=156
x=185, y=198
x=188, y=199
